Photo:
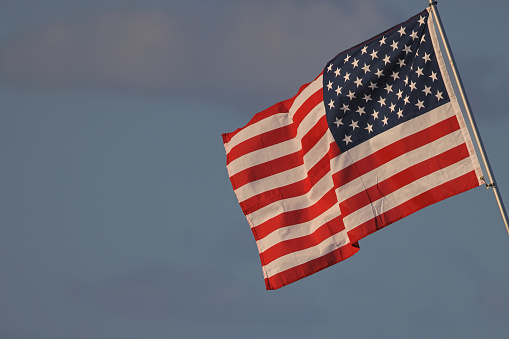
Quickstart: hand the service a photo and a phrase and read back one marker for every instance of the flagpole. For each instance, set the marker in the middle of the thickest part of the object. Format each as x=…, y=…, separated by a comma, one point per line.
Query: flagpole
x=470, y=115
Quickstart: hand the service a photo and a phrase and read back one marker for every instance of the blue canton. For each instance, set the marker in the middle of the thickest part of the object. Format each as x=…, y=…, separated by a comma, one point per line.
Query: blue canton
x=382, y=83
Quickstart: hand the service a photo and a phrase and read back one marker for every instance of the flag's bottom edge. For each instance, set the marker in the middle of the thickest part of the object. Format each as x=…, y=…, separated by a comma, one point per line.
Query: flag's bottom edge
x=301, y=271
x=432, y=196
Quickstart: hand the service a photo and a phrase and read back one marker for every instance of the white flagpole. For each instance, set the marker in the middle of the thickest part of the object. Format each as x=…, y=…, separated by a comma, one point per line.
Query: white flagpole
x=466, y=103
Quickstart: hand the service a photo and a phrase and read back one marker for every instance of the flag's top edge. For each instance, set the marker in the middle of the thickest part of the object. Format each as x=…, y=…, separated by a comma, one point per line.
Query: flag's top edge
x=425, y=12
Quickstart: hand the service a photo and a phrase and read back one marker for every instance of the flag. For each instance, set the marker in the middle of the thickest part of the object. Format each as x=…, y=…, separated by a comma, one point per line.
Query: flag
x=377, y=136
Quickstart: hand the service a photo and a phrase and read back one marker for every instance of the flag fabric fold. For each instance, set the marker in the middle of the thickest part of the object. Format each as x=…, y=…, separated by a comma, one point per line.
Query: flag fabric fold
x=377, y=136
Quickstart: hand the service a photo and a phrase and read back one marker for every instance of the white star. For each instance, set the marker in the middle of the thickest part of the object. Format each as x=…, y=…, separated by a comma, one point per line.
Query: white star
x=331, y=104
x=419, y=72
x=345, y=108
x=399, y=94
x=420, y=104
x=395, y=75
x=374, y=55
x=329, y=85
x=439, y=95
x=421, y=21
x=385, y=120
x=369, y=128
x=338, y=90
x=364, y=50
x=347, y=139
x=406, y=80
x=337, y=72
x=423, y=38
x=379, y=73
x=401, y=62
x=407, y=49
x=375, y=115
x=372, y=86
x=338, y=122
x=382, y=101
x=367, y=97
x=329, y=68
x=387, y=59
x=351, y=95
x=355, y=62
x=426, y=57
x=361, y=110
x=414, y=35
x=412, y=86
x=388, y=88
x=427, y=90
x=392, y=107
x=365, y=68
x=400, y=113
x=354, y=125
x=347, y=58
x=347, y=76
x=358, y=82
x=382, y=41
x=433, y=76
x=406, y=99
x=402, y=31
x=394, y=45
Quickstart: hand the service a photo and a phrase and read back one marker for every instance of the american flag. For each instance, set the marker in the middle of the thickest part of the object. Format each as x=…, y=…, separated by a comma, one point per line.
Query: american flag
x=376, y=136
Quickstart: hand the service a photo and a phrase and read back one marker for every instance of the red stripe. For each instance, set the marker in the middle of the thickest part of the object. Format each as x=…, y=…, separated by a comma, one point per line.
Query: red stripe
x=263, y=140
x=275, y=136
x=334, y=150
x=308, y=106
x=267, y=169
x=315, y=173
x=395, y=150
x=285, y=247
x=295, y=217
x=310, y=267
x=403, y=178
x=284, y=163
x=280, y=107
x=314, y=135
x=434, y=195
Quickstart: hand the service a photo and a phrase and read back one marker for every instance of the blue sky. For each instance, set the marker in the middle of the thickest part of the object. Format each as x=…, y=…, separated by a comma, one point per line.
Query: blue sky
x=117, y=217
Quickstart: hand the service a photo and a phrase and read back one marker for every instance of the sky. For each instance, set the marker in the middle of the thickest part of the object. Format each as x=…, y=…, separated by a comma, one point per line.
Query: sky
x=117, y=217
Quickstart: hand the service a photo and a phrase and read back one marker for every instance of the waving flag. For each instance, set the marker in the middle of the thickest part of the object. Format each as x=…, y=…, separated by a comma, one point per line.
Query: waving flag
x=376, y=136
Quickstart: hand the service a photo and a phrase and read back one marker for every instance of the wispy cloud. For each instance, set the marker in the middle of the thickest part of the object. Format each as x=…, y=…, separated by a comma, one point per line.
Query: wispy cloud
x=247, y=48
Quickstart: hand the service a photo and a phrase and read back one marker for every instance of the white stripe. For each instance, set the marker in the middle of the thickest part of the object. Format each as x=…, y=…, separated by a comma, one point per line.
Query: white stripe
x=398, y=164
x=263, y=155
x=396, y=133
x=298, y=230
x=406, y=193
x=300, y=257
x=276, y=151
x=306, y=93
x=274, y=181
x=270, y=123
x=274, y=121
x=322, y=187
x=290, y=176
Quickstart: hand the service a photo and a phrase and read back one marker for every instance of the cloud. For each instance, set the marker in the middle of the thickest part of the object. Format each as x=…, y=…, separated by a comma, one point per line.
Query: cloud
x=121, y=48
x=246, y=48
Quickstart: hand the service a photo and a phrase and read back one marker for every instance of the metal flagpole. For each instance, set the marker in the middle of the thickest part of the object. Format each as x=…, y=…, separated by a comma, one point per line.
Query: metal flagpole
x=469, y=113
